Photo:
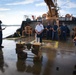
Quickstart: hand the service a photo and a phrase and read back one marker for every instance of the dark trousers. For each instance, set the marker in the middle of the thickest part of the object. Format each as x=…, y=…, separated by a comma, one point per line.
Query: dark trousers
x=0, y=39
x=55, y=35
x=63, y=36
x=40, y=36
x=49, y=34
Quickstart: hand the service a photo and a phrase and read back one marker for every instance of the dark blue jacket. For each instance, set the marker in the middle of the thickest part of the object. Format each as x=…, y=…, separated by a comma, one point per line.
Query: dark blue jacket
x=55, y=27
x=0, y=29
x=63, y=29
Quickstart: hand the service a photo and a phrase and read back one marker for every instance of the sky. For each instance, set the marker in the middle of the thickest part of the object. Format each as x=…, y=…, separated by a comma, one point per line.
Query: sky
x=13, y=11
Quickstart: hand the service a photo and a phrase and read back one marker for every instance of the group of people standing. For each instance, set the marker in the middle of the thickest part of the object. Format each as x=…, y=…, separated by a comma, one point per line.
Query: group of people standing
x=53, y=32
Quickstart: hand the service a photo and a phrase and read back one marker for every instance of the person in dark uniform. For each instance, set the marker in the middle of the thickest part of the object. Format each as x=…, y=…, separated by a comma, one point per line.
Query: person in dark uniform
x=55, y=32
x=48, y=31
x=68, y=31
x=63, y=32
x=1, y=35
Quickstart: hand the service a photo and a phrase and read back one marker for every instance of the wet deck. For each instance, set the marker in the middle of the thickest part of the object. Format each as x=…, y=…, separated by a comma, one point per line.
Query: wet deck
x=58, y=60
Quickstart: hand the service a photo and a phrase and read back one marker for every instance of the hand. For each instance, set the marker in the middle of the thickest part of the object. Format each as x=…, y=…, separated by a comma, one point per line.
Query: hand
x=38, y=32
x=3, y=28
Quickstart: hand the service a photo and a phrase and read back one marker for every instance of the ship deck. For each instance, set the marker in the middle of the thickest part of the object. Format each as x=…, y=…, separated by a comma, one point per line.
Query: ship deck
x=59, y=58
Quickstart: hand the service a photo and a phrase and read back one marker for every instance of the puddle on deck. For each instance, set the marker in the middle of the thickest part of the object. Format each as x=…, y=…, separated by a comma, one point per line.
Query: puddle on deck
x=58, y=61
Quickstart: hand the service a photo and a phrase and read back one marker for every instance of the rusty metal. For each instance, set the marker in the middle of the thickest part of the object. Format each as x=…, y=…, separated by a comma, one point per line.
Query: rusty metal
x=52, y=14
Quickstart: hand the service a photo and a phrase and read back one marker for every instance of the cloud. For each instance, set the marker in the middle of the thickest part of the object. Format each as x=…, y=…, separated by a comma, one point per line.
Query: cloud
x=4, y=9
x=66, y=4
x=41, y=4
x=36, y=13
x=71, y=5
x=1, y=15
x=23, y=2
x=11, y=18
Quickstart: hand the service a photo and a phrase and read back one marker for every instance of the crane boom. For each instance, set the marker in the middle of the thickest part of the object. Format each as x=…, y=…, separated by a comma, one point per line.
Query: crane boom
x=52, y=4
x=52, y=14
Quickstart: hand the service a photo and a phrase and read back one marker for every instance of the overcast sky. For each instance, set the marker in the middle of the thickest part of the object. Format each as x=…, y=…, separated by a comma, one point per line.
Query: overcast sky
x=13, y=11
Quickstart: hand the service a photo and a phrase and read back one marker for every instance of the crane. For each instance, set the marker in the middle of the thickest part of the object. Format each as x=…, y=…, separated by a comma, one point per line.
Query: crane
x=53, y=11
x=52, y=6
